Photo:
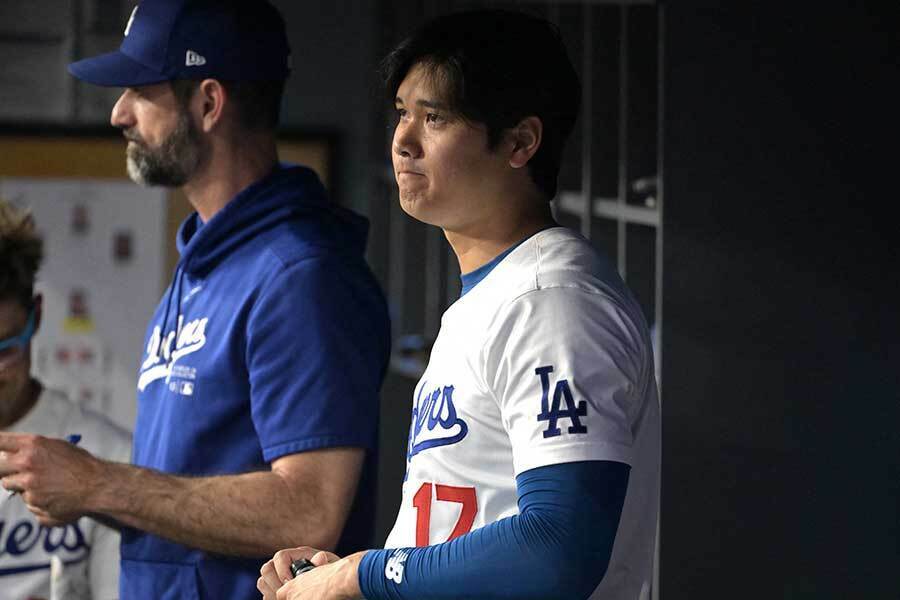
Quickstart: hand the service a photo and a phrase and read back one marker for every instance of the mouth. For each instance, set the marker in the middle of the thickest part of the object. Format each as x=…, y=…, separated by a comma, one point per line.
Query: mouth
x=133, y=139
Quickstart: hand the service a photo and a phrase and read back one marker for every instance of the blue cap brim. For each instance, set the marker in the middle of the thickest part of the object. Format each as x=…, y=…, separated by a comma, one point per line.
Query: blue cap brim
x=115, y=69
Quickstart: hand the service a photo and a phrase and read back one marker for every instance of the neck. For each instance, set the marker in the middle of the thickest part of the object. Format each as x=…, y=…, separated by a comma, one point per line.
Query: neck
x=24, y=402
x=484, y=241
x=231, y=168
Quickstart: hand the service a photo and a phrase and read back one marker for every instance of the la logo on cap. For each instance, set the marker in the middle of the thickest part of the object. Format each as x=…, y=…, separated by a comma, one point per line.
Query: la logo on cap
x=130, y=20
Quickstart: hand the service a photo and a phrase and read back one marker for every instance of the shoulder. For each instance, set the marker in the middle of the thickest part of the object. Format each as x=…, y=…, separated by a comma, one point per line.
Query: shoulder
x=555, y=257
x=316, y=230
x=560, y=267
x=572, y=315
x=560, y=292
x=563, y=258
x=324, y=292
x=297, y=260
x=287, y=244
x=556, y=275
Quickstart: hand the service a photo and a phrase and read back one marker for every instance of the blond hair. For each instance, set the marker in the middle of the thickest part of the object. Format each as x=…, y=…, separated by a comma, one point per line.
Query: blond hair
x=21, y=253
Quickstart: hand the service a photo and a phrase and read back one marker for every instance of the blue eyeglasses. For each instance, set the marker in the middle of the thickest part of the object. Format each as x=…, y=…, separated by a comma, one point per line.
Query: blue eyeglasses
x=11, y=348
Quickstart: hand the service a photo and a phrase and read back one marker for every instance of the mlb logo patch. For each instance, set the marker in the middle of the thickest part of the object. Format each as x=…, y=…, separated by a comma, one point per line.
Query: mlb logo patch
x=185, y=388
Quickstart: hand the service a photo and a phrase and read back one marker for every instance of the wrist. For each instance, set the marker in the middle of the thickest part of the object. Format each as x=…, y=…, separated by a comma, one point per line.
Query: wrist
x=350, y=580
x=102, y=496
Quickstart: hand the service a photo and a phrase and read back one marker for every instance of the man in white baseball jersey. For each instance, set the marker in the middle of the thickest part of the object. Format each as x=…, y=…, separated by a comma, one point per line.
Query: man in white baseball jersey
x=533, y=457
x=79, y=560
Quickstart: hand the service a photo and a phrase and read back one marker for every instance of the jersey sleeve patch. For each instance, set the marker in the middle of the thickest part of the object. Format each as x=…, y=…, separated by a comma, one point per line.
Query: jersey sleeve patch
x=567, y=368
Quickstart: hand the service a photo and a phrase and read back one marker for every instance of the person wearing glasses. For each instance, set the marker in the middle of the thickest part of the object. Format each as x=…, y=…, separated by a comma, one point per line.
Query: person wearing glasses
x=80, y=559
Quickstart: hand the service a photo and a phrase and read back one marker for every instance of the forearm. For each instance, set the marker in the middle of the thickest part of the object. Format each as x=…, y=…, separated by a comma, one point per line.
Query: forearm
x=251, y=514
x=558, y=547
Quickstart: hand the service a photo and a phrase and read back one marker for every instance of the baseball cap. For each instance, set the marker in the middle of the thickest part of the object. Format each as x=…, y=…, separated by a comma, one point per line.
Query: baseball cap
x=235, y=40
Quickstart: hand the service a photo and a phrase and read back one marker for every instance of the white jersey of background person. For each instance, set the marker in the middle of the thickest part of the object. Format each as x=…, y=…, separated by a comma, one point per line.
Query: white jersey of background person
x=547, y=360
x=88, y=551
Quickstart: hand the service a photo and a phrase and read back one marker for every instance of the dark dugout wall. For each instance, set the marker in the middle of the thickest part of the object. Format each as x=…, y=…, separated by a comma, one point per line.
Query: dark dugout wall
x=780, y=348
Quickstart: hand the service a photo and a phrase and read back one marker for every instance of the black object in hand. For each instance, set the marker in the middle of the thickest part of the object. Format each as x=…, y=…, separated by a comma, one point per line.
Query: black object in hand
x=301, y=566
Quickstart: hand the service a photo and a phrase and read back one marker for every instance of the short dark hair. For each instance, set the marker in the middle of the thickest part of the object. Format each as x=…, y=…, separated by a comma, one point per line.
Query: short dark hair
x=21, y=253
x=498, y=67
x=258, y=102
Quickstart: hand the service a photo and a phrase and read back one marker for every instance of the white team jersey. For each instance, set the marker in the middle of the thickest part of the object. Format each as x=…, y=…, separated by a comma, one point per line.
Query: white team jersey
x=88, y=552
x=547, y=360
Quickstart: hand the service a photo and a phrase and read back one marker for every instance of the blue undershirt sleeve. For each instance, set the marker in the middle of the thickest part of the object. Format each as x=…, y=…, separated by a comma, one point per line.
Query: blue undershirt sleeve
x=558, y=546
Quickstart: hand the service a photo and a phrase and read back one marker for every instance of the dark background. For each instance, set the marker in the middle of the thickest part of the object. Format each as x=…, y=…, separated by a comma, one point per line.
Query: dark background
x=780, y=352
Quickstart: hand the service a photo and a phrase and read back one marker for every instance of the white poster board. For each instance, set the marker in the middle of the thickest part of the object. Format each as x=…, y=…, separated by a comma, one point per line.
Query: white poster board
x=101, y=279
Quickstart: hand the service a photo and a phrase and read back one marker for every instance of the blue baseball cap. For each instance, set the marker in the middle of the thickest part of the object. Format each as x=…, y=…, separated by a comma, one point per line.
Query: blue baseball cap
x=234, y=40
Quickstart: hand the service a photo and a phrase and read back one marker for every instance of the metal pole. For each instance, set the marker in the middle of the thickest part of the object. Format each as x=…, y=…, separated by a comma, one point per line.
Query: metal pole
x=553, y=13
x=660, y=204
x=587, y=137
x=660, y=187
x=623, y=142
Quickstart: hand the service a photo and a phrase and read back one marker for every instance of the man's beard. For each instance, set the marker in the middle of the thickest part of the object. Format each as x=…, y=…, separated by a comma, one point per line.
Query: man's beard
x=173, y=163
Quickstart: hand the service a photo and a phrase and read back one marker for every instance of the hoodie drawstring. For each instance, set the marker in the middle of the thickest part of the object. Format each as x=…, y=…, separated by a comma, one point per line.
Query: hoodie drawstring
x=174, y=290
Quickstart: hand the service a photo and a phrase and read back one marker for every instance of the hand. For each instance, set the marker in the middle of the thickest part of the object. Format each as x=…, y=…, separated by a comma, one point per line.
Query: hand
x=334, y=578
x=55, y=478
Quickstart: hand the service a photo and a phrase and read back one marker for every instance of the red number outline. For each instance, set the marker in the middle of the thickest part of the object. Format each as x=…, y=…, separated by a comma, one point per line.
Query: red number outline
x=445, y=493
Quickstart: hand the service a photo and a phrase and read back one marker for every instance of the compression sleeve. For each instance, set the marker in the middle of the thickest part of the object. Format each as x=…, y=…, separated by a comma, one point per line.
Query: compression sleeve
x=558, y=546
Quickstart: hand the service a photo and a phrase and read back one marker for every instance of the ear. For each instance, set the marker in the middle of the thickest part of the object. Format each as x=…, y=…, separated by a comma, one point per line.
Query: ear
x=210, y=98
x=38, y=311
x=526, y=139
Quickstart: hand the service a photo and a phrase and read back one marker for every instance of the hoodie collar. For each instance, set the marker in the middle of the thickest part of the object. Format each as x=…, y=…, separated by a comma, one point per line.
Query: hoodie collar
x=286, y=191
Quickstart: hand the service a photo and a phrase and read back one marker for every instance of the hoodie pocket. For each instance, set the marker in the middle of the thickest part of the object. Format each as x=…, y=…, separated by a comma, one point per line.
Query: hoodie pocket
x=159, y=581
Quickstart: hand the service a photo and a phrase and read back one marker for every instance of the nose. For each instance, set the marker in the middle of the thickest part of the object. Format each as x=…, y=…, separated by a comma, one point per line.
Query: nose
x=122, y=116
x=406, y=140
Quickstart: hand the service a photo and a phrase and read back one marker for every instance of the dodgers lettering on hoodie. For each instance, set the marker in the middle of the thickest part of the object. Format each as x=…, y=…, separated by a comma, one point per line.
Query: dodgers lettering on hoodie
x=272, y=339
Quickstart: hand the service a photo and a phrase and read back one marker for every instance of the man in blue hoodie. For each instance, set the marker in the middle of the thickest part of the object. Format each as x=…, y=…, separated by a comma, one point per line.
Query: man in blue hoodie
x=258, y=391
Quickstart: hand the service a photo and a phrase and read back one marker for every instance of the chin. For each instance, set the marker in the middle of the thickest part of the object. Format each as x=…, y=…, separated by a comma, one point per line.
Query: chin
x=417, y=207
x=410, y=202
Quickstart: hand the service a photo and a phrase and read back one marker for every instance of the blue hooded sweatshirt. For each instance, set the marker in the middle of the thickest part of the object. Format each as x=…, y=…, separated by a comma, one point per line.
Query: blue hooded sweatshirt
x=272, y=339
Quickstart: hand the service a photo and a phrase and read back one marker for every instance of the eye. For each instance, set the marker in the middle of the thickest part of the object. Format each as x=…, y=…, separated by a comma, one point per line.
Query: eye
x=434, y=118
x=401, y=112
